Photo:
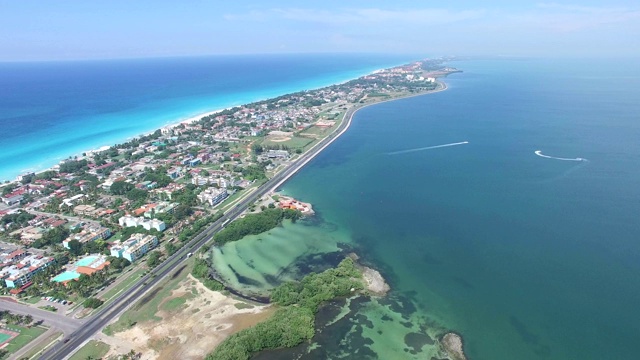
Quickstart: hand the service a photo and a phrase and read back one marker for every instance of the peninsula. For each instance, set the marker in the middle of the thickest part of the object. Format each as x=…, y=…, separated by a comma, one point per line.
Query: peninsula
x=94, y=234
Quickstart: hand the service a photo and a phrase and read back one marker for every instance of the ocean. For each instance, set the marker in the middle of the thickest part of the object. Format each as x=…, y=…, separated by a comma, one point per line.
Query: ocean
x=525, y=256
x=53, y=110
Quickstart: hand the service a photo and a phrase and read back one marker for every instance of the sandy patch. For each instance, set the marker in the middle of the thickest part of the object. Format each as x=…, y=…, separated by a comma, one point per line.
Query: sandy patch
x=277, y=133
x=278, y=139
x=192, y=330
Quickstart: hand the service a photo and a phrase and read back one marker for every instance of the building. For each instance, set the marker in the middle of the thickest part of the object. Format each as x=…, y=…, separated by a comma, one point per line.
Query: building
x=87, y=265
x=147, y=224
x=88, y=233
x=135, y=247
x=20, y=274
x=213, y=196
x=277, y=154
x=70, y=202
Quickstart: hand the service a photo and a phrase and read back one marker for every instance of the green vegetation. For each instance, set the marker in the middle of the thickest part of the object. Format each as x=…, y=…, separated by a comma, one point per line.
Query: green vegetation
x=53, y=236
x=92, y=303
x=19, y=219
x=124, y=284
x=92, y=350
x=73, y=166
x=190, y=232
x=293, y=323
x=43, y=344
x=153, y=259
x=295, y=142
x=147, y=307
x=49, y=308
x=27, y=334
x=255, y=224
x=201, y=272
x=175, y=303
x=32, y=300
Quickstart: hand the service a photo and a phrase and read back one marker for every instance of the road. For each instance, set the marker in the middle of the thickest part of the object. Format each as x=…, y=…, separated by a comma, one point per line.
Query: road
x=69, y=218
x=59, y=321
x=128, y=297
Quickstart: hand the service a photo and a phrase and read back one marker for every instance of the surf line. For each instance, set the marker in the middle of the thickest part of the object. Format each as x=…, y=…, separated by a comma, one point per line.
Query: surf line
x=427, y=148
x=539, y=153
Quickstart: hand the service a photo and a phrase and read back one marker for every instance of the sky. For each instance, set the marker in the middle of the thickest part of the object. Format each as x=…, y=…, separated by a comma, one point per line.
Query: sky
x=73, y=29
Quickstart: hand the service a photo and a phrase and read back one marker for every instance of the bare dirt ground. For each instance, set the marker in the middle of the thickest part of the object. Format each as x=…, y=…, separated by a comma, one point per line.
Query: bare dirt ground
x=278, y=139
x=190, y=330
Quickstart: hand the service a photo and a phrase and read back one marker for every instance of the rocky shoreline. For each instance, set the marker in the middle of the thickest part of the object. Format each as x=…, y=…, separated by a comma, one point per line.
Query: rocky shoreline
x=374, y=282
x=452, y=344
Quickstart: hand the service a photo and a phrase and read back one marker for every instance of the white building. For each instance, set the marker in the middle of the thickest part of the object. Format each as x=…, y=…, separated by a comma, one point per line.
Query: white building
x=135, y=247
x=132, y=221
x=213, y=196
x=20, y=273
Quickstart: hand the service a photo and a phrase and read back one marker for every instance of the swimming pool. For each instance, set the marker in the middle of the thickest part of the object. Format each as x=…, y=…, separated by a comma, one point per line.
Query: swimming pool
x=86, y=261
x=66, y=276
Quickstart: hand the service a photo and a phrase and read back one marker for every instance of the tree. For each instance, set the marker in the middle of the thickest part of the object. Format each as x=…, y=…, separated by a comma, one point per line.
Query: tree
x=154, y=258
x=75, y=247
x=136, y=195
x=120, y=187
x=257, y=148
x=92, y=303
x=171, y=248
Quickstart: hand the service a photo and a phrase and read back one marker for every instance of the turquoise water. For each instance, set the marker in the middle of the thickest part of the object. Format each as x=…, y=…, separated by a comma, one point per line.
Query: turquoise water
x=86, y=261
x=527, y=257
x=66, y=276
x=258, y=263
x=53, y=110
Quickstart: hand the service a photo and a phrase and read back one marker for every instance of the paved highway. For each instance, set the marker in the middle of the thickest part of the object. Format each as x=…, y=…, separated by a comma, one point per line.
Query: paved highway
x=110, y=311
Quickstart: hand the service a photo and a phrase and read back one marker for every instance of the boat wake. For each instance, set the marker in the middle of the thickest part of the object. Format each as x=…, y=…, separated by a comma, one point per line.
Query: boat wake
x=427, y=148
x=539, y=153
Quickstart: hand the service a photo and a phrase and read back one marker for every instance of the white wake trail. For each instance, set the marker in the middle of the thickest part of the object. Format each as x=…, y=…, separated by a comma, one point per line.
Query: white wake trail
x=539, y=153
x=426, y=148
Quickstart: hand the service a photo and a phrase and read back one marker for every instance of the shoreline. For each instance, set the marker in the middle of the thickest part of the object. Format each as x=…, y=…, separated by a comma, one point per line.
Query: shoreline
x=170, y=124
x=313, y=152
x=351, y=112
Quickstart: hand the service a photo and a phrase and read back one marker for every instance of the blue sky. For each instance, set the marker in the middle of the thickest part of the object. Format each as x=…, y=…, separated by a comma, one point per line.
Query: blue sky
x=69, y=29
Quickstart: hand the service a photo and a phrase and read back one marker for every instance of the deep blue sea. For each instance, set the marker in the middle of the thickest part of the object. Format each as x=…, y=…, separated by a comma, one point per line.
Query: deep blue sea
x=52, y=110
x=527, y=257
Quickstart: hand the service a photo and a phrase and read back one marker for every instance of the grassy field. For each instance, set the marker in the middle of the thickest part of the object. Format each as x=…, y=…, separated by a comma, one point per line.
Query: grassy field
x=295, y=142
x=32, y=300
x=133, y=276
x=92, y=350
x=26, y=335
x=146, y=309
x=43, y=345
x=317, y=131
x=175, y=304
